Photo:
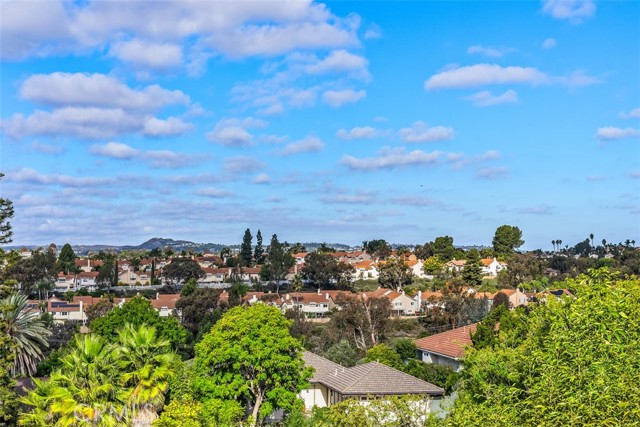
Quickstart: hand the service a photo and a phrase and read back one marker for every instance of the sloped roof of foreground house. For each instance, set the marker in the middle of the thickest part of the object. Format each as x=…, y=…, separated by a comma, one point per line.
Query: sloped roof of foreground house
x=450, y=343
x=372, y=378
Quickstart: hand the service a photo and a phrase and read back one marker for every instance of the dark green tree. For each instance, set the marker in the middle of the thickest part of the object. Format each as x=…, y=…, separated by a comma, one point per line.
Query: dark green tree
x=343, y=353
x=67, y=260
x=325, y=271
x=472, y=271
x=258, y=253
x=6, y=213
x=384, y=354
x=108, y=271
x=246, y=251
x=506, y=240
x=200, y=307
x=277, y=263
x=443, y=248
x=181, y=270
x=395, y=274
x=378, y=248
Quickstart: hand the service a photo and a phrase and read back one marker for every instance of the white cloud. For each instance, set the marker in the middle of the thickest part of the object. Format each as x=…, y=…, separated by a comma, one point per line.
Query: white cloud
x=490, y=52
x=484, y=74
x=305, y=145
x=487, y=99
x=359, y=199
x=263, y=178
x=548, y=43
x=156, y=158
x=171, y=126
x=217, y=193
x=421, y=132
x=575, y=11
x=242, y=164
x=31, y=176
x=577, y=79
x=610, y=133
x=363, y=132
x=633, y=114
x=337, y=98
x=341, y=61
x=232, y=132
x=96, y=90
x=634, y=174
x=146, y=54
x=373, y=32
x=390, y=158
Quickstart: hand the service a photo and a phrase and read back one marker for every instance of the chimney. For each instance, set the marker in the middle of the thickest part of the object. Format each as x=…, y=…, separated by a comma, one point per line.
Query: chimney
x=318, y=290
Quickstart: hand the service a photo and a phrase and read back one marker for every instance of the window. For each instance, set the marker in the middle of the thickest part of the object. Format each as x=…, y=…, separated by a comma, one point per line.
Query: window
x=64, y=313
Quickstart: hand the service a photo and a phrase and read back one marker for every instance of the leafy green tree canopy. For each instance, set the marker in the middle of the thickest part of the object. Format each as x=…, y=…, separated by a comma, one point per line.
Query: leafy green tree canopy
x=246, y=252
x=443, y=248
x=66, y=260
x=251, y=358
x=507, y=239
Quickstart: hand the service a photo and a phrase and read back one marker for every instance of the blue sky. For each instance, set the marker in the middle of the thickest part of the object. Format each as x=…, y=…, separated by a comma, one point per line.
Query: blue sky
x=336, y=121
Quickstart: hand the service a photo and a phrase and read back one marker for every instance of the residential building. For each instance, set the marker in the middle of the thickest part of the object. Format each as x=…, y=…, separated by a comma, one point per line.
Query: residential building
x=491, y=266
x=313, y=305
x=446, y=348
x=401, y=304
x=333, y=383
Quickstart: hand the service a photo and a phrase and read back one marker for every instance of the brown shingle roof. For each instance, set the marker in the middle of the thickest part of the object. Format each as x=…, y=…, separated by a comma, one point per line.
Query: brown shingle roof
x=450, y=343
x=372, y=378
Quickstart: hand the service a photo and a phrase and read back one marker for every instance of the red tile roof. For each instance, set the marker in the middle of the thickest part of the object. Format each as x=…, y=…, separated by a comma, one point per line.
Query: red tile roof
x=451, y=343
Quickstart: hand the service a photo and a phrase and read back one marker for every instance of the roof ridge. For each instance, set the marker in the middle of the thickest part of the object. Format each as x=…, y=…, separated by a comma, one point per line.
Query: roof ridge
x=363, y=375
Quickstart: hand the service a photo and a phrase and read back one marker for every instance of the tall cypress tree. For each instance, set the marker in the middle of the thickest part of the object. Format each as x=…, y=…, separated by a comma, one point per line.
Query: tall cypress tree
x=258, y=253
x=472, y=272
x=246, y=253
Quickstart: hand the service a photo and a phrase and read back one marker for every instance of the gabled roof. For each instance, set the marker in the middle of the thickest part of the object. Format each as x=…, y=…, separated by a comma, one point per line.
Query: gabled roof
x=372, y=378
x=450, y=343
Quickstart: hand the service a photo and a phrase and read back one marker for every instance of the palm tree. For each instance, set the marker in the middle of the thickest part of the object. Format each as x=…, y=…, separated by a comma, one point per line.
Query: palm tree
x=553, y=242
x=83, y=392
x=27, y=331
x=559, y=243
x=146, y=362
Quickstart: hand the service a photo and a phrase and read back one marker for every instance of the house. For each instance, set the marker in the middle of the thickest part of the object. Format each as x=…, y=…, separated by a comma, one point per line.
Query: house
x=446, y=348
x=64, y=311
x=130, y=278
x=299, y=257
x=356, y=257
x=516, y=297
x=312, y=304
x=333, y=383
x=214, y=275
x=165, y=304
x=366, y=269
x=65, y=282
x=87, y=279
x=87, y=265
x=455, y=265
x=416, y=267
x=401, y=304
x=491, y=266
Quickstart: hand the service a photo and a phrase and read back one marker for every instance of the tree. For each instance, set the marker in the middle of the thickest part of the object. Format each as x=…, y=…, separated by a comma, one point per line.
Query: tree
x=99, y=309
x=443, y=248
x=258, y=253
x=507, y=239
x=27, y=331
x=6, y=213
x=472, y=272
x=395, y=274
x=180, y=413
x=522, y=268
x=342, y=353
x=181, y=270
x=574, y=365
x=251, y=358
x=378, y=248
x=108, y=271
x=8, y=402
x=432, y=265
x=363, y=320
x=41, y=266
x=384, y=354
x=199, y=308
x=145, y=362
x=246, y=252
x=138, y=311
x=405, y=347
x=67, y=260
x=277, y=263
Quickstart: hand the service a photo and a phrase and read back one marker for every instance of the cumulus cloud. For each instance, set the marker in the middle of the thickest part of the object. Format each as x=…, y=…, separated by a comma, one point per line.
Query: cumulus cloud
x=232, y=132
x=263, y=178
x=365, y=198
x=574, y=11
x=338, y=98
x=154, y=126
x=421, y=132
x=147, y=54
x=611, y=133
x=242, y=164
x=31, y=176
x=548, y=43
x=633, y=114
x=490, y=52
x=156, y=158
x=341, y=61
x=373, y=32
x=493, y=74
x=487, y=99
x=363, y=132
x=390, y=158
x=305, y=145
x=96, y=90
x=484, y=74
